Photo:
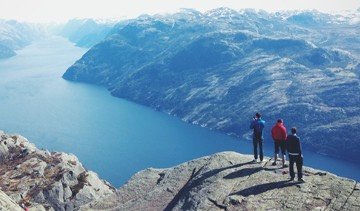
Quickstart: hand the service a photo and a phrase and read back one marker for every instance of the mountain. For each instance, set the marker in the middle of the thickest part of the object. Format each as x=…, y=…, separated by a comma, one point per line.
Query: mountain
x=86, y=32
x=6, y=52
x=336, y=31
x=218, y=68
x=230, y=181
x=15, y=35
x=43, y=180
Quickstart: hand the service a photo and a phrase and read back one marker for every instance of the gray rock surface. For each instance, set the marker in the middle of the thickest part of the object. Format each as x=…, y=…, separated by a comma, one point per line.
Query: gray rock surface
x=6, y=203
x=46, y=180
x=231, y=181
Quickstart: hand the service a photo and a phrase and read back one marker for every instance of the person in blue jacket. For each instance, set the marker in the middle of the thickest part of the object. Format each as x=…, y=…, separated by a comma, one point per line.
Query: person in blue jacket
x=295, y=155
x=257, y=125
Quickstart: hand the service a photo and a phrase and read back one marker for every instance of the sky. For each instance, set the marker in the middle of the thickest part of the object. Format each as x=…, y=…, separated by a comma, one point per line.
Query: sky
x=62, y=10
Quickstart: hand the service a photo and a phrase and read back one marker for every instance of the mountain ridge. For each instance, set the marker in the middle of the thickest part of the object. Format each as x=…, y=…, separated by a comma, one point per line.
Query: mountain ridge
x=86, y=32
x=216, y=69
x=15, y=35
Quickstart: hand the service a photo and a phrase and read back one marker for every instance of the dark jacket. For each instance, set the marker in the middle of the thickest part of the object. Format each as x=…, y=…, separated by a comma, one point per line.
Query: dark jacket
x=257, y=125
x=293, y=145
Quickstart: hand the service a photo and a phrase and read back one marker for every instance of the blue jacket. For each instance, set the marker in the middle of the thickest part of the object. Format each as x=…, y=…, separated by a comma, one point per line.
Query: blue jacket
x=293, y=145
x=257, y=126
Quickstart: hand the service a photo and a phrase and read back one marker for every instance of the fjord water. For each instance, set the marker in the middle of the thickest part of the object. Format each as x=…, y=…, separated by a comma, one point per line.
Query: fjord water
x=111, y=136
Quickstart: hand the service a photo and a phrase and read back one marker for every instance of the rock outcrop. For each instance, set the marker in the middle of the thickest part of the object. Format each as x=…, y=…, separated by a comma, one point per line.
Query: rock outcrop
x=231, y=181
x=45, y=180
x=42, y=180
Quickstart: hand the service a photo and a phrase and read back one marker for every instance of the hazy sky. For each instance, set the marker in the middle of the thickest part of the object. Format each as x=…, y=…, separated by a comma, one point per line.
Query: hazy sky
x=61, y=10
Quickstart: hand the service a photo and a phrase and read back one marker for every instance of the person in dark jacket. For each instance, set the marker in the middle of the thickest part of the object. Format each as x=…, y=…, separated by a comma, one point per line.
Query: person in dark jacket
x=295, y=154
x=278, y=133
x=257, y=125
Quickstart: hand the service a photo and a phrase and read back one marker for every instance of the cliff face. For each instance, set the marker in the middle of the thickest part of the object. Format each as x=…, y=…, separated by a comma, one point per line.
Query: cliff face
x=230, y=181
x=43, y=180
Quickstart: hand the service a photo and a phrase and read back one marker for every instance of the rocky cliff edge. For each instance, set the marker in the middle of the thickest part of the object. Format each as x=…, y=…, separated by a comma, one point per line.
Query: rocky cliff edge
x=43, y=180
x=231, y=181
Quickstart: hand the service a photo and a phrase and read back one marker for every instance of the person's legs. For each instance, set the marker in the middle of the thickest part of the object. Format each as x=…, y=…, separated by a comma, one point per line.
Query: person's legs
x=275, y=159
x=299, y=164
x=276, y=151
x=283, y=160
x=283, y=151
x=261, y=149
x=255, y=148
x=291, y=167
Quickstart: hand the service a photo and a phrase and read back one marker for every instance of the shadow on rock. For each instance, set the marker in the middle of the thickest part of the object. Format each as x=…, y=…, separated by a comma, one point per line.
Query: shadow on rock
x=194, y=181
x=243, y=172
x=258, y=189
x=247, y=172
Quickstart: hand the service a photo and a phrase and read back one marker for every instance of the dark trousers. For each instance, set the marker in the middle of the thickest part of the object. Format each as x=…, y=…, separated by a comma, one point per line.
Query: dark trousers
x=256, y=142
x=280, y=145
x=299, y=163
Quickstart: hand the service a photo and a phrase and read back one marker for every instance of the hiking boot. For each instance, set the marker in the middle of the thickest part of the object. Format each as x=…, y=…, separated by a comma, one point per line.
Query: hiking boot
x=284, y=166
x=301, y=180
x=254, y=161
x=273, y=164
x=291, y=179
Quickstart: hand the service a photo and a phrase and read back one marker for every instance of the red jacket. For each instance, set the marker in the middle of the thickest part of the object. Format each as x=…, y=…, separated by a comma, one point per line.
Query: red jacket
x=278, y=132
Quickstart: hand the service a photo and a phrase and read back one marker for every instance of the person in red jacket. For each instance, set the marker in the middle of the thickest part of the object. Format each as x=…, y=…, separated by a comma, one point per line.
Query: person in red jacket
x=278, y=133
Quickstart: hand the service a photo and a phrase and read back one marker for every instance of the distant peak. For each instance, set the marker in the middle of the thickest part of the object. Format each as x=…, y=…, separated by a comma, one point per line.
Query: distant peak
x=222, y=11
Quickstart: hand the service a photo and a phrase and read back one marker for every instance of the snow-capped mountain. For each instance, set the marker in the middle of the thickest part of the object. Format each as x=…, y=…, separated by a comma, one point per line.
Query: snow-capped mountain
x=217, y=68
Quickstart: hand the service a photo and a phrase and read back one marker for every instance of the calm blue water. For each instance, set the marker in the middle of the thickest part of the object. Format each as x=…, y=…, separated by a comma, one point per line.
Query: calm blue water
x=111, y=136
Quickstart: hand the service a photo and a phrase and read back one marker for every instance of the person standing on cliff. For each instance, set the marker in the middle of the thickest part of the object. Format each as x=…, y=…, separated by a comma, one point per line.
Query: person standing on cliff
x=278, y=133
x=295, y=154
x=257, y=125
